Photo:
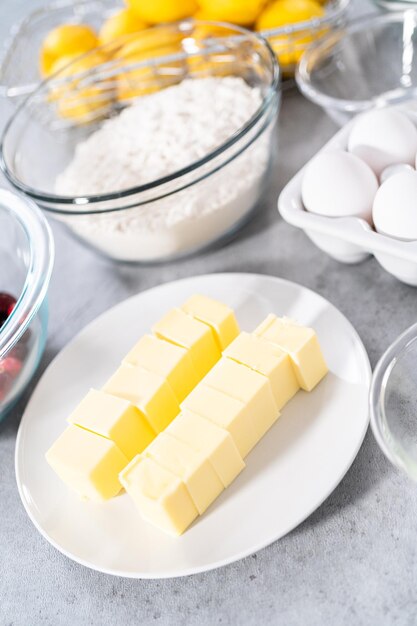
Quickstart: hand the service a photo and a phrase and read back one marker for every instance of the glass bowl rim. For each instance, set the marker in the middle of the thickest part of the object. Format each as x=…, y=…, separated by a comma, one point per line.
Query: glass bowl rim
x=39, y=269
x=364, y=23
x=267, y=103
x=380, y=377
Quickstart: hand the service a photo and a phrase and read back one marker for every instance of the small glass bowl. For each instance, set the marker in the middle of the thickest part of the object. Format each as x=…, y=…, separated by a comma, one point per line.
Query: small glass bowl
x=393, y=402
x=138, y=224
x=26, y=260
x=369, y=63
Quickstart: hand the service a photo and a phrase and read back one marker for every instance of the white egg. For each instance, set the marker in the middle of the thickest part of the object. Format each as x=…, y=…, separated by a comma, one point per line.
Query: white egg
x=393, y=170
x=383, y=137
x=395, y=206
x=338, y=184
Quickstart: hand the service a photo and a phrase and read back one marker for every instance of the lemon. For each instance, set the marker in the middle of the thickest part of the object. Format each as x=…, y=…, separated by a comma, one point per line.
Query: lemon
x=150, y=40
x=124, y=22
x=74, y=100
x=210, y=32
x=61, y=63
x=159, y=11
x=206, y=62
x=243, y=12
x=289, y=48
x=152, y=44
x=286, y=12
x=203, y=14
x=67, y=39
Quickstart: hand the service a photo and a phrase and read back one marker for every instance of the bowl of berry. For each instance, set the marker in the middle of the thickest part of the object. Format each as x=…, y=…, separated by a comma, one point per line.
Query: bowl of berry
x=26, y=260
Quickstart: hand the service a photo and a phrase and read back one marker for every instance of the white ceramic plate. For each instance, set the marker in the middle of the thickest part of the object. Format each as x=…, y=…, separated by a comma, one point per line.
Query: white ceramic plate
x=288, y=475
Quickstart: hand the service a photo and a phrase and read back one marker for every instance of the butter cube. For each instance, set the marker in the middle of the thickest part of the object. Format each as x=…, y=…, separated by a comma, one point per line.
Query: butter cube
x=116, y=419
x=183, y=330
x=269, y=360
x=217, y=315
x=207, y=439
x=161, y=497
x=226, y=412
x=87, y=463
x=251, y=388
x=148, y=391
x=166, y=359
x=301, y=344
x=191, y=467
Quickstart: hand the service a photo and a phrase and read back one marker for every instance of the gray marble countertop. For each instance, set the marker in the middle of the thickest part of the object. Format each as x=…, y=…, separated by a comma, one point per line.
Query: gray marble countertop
x=354, y=561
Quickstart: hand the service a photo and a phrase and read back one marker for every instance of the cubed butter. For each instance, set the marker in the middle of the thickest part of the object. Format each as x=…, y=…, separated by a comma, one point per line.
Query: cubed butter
x=251, y=388
x=116, y=419
x=226, y=412
x=187, y=332
x=267, y=359
x=212, y=442
x=87, y=463
x=301, y=344
x=217, y=315
x=190, y=466
x=166, y=359
x=161, y=497
x=148, y=391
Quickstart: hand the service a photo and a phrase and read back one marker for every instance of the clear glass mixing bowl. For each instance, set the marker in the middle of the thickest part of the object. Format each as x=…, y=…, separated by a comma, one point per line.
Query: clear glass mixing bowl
x=369, y=63
x=19, y=64
x=393, y=402
x=40, y=139
x=26, y=259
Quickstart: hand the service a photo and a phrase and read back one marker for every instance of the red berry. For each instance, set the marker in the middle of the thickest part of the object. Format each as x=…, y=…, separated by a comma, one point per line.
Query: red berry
x=19, y=351
x=10, y=365
x=7, y=304
x=25, y=338
x=6, y=382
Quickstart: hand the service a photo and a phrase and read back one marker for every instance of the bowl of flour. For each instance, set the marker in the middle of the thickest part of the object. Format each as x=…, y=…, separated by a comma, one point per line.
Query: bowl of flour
x=177, y=165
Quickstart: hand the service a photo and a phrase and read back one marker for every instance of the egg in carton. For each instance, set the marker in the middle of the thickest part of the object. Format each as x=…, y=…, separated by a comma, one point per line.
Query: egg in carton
x=358, y=195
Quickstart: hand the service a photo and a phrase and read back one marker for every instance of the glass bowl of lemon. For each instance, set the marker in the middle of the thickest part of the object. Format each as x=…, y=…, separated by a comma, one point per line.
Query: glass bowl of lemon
x=175, y=129
x=52, y=36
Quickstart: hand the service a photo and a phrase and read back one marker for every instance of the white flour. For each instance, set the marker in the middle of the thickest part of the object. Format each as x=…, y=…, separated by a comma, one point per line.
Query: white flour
x=156, y=136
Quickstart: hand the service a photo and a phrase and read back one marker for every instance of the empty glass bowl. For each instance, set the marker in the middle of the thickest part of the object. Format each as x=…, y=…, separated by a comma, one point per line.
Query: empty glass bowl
x=26, y=259
x=369, y=63
x=141, y=223
x=396, y=5
x=393, y=402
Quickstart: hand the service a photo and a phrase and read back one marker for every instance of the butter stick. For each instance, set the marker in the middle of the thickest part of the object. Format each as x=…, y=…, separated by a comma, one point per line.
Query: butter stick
x=301, y=344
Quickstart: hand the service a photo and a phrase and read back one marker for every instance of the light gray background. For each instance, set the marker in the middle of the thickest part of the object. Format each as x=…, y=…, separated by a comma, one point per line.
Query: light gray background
x=354, y=561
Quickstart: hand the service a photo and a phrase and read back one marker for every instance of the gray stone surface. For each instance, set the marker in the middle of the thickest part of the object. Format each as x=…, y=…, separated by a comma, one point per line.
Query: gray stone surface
x=354, y=561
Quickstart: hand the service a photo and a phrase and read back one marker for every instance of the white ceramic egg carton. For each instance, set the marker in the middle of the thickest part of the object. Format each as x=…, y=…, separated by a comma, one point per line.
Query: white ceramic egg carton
x=349, y=239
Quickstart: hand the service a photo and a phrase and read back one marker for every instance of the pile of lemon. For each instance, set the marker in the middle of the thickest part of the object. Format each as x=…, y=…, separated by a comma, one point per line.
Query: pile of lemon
x=68, y=42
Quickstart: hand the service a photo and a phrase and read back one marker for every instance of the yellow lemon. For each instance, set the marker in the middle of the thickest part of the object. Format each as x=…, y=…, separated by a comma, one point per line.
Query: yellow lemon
x=243, y=12
x=74, y=100
x=67, y=39
x=159, y=11
x=206, y=62
x=149, y=40
x=203, y=14
x=124, y=22
x=61, y=63
x=208, y=32
x=289, y=48
x=135, y=82
x=286, y=12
